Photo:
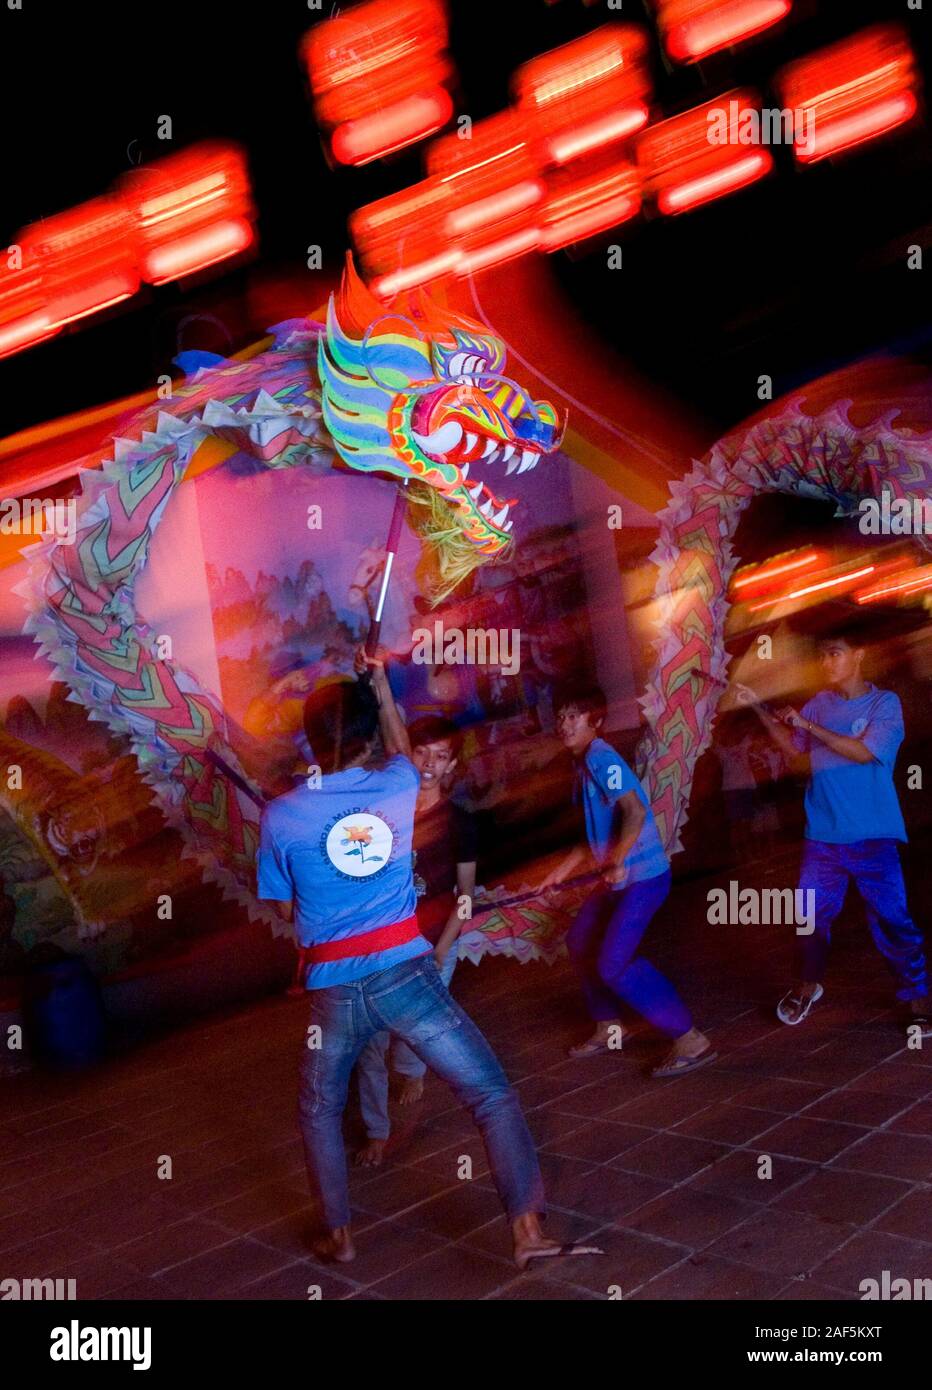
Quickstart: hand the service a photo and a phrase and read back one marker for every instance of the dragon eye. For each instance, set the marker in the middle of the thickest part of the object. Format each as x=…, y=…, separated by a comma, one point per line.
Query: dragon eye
x=465, y=364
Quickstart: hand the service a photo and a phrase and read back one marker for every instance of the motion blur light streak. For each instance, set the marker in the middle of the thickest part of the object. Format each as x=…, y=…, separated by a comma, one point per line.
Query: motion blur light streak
x=579, y=207
x=708, y=186
x=359, y=142
x=419, y=274
x=24, y=316
x=497, y=156
x=604, y=131
x=492, y=209
x=814, y=588
x=906, y=582
x=578, y=102
x=494, y=189
x=198, y=251
x=694, y=28
x=684, y=169
x=768, y=572
x=855, y=90
x=495, y=252
x=856, y=129
x=85, y=259
x=588, y=93
x=403, y=235
x=166, y=220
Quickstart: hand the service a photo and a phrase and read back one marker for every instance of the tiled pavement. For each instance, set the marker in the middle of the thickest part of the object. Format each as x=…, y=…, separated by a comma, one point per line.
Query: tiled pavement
x=669, y=1178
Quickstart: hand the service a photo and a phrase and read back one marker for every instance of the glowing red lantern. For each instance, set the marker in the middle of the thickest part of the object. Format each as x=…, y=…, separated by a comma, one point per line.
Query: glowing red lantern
x=25, y=318
x=850, y=92
x=86, y=258
x=401, y=239
x=704, y=153
x=579, y=205
x=190, y=210
x=379, y=74
x=692, y=29
x=588, y=94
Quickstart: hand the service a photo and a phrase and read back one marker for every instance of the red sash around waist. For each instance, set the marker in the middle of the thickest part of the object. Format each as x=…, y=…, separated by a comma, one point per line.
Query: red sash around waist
x=367, y=943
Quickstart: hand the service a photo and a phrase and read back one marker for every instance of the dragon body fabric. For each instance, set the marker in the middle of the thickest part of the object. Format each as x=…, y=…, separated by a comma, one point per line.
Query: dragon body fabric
x=418, y=395
x=823, y=456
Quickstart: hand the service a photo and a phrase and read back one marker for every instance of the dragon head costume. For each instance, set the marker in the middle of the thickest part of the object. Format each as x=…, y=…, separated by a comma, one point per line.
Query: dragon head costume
x=422, y=396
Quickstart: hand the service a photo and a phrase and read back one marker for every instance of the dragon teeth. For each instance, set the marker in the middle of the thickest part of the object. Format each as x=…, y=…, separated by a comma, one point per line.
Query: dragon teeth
x=474, y=492
x=509, y=450
x=464, y=469
x=528, y=460
x=508, y=525
x=470, y=442
x=500, y=517
x=489, y=449
x=442, y=440
x=486, y=510
x=511, y=466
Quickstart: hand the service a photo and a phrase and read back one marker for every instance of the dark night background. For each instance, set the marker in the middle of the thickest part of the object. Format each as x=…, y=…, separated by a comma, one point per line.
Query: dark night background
x=795, y=276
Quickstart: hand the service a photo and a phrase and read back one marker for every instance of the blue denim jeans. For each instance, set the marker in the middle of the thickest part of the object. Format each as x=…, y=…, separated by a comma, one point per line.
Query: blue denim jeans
x=603, y=942
x=874, y=868
x=411, y=1002
x=372, y=1072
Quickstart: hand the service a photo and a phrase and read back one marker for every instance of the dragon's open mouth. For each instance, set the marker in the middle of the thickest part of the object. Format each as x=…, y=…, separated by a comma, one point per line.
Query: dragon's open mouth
x=454, y=443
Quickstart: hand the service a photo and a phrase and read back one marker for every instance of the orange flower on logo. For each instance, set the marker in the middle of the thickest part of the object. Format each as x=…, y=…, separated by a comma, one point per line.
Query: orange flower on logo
x=359, y=834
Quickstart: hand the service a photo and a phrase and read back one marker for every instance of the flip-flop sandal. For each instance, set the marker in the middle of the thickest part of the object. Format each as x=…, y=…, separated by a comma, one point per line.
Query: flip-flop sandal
x=590, y=1050
x=798, y=1001
x=574, y=1248
x=679, y=1066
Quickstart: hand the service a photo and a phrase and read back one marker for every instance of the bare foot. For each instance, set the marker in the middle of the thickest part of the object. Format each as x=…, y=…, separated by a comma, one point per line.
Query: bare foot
x=412, y=1089
x=608, y=1037
x=371, y=1155
x=531, y=1244
x=335, y=1247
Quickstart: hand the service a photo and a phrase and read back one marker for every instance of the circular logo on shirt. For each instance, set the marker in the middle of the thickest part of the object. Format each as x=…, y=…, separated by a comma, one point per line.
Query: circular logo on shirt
x=858, y=727
x=358, y=844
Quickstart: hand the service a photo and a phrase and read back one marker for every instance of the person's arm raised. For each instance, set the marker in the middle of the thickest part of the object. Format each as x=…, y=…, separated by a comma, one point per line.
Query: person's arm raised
x=394, y=734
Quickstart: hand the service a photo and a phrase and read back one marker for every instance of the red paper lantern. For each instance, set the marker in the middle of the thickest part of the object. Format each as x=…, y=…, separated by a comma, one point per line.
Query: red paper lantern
x=850, y=92
x=379, y=75
x=588, y=94
x=86, y=258
x=401, y=239
x=580, y=204
x=703, y=154
x=692, y=29
x=190, y=211
x=25, y=318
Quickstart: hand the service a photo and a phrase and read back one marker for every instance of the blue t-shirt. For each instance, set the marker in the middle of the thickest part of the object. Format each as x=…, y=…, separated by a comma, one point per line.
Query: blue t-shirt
x=342, y=851
x=848, y=801
x=602, y=779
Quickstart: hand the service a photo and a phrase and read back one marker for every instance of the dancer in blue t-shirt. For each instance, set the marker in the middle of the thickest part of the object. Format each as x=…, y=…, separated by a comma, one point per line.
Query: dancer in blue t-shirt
x=337, y=852
x=605, y=938
x=851, y=733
